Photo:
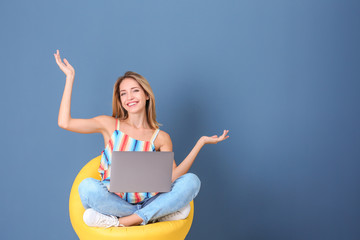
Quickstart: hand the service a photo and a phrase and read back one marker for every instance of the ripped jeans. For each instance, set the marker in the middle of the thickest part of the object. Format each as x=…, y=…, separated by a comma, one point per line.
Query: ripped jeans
x=94, y=194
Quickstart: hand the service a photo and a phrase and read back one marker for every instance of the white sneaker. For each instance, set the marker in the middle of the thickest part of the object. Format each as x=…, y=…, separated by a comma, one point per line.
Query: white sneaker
x=93, y=218
x=178, y=215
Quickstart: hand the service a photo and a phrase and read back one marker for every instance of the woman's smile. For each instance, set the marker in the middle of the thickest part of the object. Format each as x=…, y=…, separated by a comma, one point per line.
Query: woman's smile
x=132, y=104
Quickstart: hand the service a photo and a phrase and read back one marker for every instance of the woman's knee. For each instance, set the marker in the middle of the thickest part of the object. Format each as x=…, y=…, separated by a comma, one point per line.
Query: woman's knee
x=193, y=182
x=87, y=186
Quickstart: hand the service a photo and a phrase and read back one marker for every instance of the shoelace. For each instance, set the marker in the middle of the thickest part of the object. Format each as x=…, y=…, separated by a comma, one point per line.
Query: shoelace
x=104, y=221
x=171, y=215
x=174, y=214
x=182, y=212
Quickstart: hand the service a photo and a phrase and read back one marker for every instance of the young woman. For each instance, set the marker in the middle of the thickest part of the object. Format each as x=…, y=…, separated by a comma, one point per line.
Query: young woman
x=132, y=127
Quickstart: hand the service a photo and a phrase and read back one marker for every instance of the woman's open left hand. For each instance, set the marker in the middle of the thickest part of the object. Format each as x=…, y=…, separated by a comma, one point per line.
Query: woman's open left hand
x=214, y=139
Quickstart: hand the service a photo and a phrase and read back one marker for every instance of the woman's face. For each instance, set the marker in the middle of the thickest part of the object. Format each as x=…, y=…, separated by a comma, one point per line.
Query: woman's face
x=132, y=96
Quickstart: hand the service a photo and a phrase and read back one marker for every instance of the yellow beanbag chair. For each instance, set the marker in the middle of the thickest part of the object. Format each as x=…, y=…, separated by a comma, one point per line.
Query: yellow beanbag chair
x=171, y=230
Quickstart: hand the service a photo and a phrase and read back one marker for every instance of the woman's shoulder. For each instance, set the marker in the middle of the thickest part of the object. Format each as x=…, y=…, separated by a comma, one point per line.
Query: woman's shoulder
x=163, y=138
x=105, y=118
x=164, y=135
x=106, y=121
x=163, y=141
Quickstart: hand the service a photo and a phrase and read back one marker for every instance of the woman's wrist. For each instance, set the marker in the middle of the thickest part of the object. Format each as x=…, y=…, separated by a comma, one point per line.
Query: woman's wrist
x=201, y=142
x=70, y=77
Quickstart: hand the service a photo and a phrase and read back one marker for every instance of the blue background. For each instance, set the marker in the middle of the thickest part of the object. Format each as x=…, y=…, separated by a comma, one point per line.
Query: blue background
x=282, y=76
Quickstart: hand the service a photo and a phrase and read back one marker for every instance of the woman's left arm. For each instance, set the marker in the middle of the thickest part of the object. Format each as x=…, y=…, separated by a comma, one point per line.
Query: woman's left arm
x=185, y=165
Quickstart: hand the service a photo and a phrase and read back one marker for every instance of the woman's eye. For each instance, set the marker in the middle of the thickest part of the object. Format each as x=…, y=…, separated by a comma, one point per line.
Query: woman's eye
x=136, y=90
x=122, y=94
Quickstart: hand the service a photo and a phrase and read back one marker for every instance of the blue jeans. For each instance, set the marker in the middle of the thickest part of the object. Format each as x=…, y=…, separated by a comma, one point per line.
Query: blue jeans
x=94, y=194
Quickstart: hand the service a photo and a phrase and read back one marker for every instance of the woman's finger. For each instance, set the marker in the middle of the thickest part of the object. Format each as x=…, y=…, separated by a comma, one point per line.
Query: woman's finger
x=224, y=136
x=67, y=62
x=58, y=59
x=224, y=133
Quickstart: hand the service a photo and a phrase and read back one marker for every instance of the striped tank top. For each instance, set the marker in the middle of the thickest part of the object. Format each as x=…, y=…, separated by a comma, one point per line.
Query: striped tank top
x=120, y=141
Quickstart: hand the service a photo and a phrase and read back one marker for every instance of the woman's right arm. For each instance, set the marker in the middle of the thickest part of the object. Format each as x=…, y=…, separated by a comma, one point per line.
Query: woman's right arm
x=65, y=121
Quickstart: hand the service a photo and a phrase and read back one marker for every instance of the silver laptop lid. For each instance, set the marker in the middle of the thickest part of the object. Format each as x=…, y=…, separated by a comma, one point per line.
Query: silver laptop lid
x=141, y=171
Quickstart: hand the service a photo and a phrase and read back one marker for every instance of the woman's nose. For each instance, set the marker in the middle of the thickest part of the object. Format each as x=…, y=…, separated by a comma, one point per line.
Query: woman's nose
x=130, y=96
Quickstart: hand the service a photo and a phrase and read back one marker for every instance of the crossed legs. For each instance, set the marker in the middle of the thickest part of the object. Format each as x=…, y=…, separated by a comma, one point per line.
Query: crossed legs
x=95, y=195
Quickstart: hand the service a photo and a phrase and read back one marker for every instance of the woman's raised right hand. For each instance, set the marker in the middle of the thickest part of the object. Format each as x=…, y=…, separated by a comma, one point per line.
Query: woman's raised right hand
x=64, y=66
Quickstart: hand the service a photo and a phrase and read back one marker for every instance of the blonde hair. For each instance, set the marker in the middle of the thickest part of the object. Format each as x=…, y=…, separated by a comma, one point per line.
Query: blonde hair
x=121, y=113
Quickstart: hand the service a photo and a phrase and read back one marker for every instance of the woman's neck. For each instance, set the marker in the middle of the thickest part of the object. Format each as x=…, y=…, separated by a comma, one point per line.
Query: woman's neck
x=137, y=120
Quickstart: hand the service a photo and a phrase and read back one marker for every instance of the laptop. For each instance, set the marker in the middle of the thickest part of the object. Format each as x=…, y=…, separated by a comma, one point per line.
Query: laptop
x=141, y=171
